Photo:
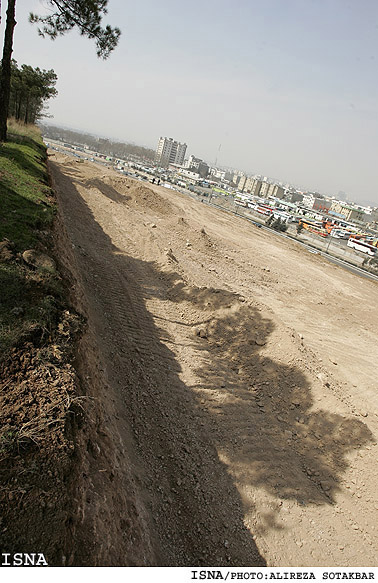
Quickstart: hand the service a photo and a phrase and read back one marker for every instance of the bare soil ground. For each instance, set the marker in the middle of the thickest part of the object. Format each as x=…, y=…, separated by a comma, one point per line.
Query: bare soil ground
x=233, y=384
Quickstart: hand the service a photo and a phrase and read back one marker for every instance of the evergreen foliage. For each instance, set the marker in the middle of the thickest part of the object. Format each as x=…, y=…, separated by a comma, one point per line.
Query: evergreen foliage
x=29, y=90
x=84, y=15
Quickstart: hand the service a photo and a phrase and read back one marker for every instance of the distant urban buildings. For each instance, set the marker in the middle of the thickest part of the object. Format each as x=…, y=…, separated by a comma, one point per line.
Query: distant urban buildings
x=169, y=151
x=170, y=154
x=350, y=213
x=256, y=186
x=197, y=165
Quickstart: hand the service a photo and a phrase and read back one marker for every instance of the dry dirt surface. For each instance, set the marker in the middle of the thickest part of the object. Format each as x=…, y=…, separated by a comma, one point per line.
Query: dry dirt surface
x=236, y=377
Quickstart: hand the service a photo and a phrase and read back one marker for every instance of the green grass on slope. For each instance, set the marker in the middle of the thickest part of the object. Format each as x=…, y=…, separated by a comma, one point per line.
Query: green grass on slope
x=25, y=205
x=29, y=298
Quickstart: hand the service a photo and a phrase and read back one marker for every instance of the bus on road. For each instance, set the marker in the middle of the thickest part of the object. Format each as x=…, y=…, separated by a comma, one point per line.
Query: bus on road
x=362, y=246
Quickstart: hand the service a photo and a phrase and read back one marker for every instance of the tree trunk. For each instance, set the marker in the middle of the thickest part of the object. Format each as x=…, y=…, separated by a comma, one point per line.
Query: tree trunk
x=18, y=110
x=6, y=69
x=26, y=118
x=15, y=104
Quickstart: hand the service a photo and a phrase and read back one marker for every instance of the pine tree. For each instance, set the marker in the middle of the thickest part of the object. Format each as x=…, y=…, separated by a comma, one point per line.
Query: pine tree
x=30, y=89
x=85, y=15
x=6, y=68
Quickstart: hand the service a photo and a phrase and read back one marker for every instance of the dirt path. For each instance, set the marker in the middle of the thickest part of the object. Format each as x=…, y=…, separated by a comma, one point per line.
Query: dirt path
x=240, y=390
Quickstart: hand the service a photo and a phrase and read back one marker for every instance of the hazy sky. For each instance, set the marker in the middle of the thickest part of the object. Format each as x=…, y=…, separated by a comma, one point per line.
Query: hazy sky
x=288, y=88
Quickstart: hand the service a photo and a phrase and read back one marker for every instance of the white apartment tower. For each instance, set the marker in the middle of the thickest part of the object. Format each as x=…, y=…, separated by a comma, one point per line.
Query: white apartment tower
x=169, y=151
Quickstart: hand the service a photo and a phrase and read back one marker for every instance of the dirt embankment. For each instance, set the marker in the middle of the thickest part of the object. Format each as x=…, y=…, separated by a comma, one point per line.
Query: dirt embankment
x=229, y=381
x=153, y=490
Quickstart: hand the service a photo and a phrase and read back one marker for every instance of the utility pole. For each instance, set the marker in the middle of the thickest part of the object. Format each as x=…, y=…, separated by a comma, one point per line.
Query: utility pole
x=329, y=242
x=216, y=157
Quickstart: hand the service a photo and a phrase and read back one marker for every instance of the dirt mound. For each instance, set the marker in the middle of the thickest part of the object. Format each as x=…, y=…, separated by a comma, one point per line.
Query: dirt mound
x=187, y=241
x=113, y=189
x=123, y=190
x=150, y=200
x=196, y=236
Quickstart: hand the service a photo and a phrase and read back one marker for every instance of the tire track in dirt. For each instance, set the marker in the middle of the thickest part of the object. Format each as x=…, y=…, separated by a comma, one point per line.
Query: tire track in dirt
x=246, y=404
x=194, y=508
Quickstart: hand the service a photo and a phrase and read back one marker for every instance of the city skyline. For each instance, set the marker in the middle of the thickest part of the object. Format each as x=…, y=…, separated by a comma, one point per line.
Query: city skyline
x=287, y=88
x=341, y=195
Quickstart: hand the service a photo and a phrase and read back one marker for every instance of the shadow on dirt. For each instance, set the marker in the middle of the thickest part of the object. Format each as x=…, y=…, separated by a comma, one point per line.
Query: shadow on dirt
x=96, y=183
x=267, y=427
x=195, y=511
x=246, y=418
x=107, y=190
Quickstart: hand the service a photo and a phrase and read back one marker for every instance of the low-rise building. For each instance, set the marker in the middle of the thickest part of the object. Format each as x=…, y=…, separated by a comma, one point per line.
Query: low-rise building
x=189, y=175
x=349, y=212
x=308, y=200
x=322, y=204
x=217, y=173
x=197, y=165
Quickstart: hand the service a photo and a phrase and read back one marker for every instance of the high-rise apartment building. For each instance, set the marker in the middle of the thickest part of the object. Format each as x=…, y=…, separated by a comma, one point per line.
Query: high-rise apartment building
x=169, y=151
x=241, y=182
x=255, y=187
x=264, y=188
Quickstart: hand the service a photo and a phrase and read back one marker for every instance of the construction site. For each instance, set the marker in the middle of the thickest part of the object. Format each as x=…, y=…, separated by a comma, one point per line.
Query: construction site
x=226, y=405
